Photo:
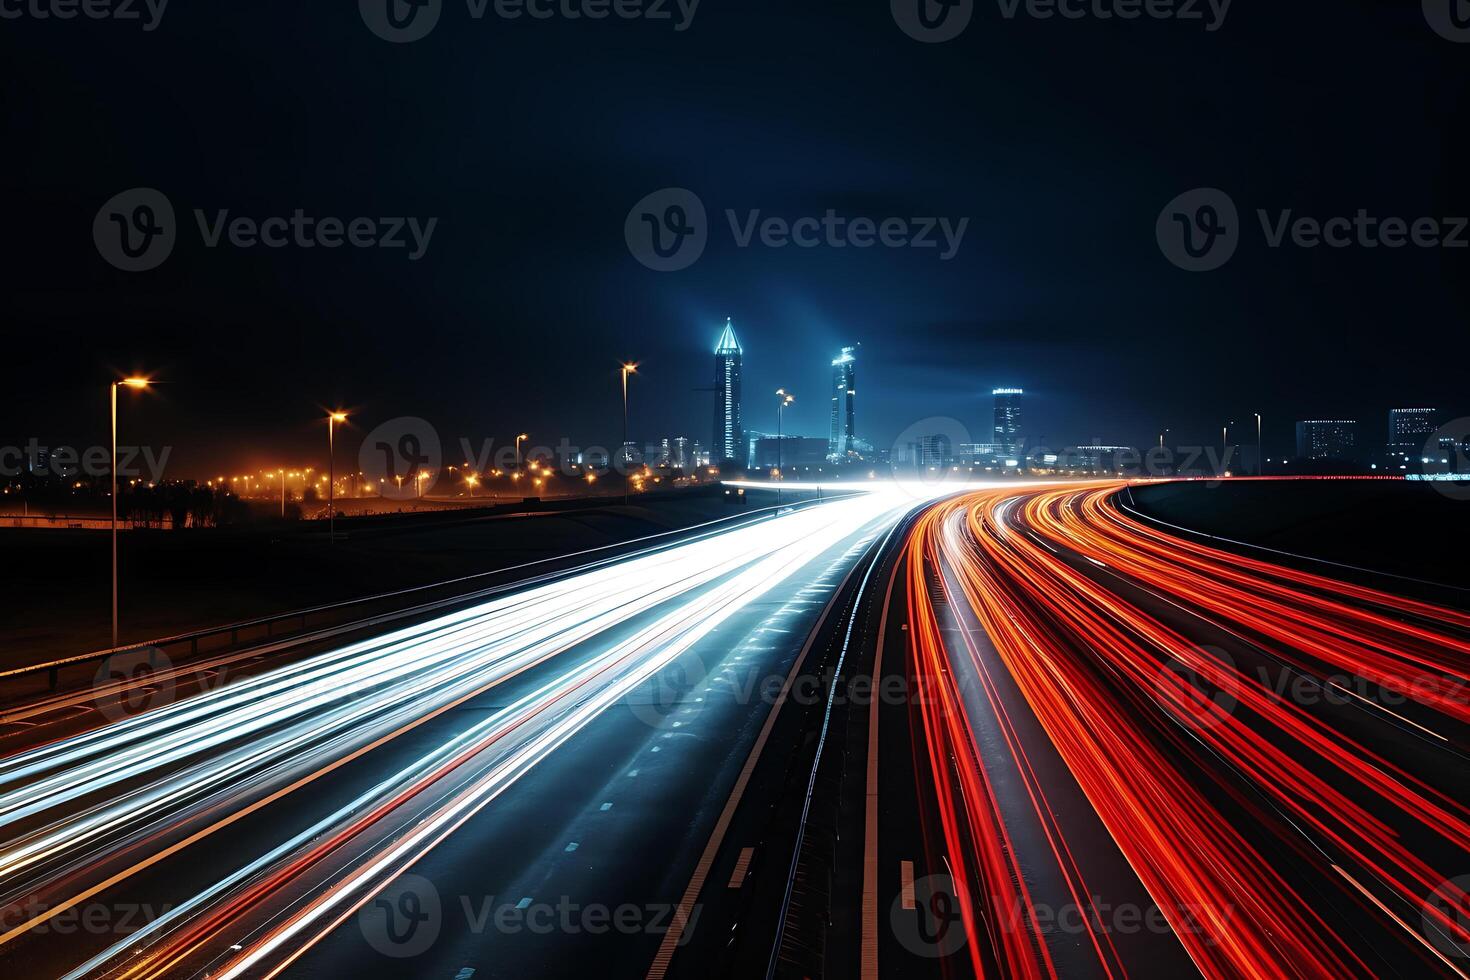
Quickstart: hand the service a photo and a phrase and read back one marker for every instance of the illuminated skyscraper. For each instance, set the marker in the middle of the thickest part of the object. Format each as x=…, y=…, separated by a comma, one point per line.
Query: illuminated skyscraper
x=729, y=433
x=841, y=443
x=1327, y=439
x=1008, y=420
x=1409, y=430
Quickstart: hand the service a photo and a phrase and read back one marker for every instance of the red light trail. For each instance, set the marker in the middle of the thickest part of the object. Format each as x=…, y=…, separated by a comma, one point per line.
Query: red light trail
x=1251, y=813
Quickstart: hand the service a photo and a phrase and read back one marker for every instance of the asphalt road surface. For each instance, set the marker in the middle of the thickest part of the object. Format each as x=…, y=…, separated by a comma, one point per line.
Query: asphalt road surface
x=1136, y=754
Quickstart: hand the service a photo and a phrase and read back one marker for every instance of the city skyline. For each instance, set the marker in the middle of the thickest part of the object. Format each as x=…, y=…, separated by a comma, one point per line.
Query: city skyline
x=1009, y=435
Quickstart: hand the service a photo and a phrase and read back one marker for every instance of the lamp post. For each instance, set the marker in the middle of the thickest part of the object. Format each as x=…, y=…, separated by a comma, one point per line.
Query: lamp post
x=783, y=399
x=333, y=418
x=135, y=384
x=1225, y=447
x=519, y=439
x=628, y=368
x=1260, y=458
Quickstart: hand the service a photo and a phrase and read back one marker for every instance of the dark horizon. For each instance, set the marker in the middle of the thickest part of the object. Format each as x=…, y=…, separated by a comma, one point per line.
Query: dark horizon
x=527, y=298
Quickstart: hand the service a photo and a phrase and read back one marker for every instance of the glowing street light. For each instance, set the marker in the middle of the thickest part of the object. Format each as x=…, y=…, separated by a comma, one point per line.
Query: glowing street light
x=519, y=439
x=630, y=367
x=333, y=420
x=136, y=384
x=1260, y=459
x=785, y=399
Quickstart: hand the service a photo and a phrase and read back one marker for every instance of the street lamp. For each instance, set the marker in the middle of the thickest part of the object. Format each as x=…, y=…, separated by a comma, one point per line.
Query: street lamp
x=784, y=399
x=135, y=384
x=333, y=420
x=628, y=368
x=1260, y=459
x=519, y=438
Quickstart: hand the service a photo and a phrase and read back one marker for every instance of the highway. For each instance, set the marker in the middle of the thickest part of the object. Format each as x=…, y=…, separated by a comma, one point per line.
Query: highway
x=1136, y=754
x=1018, y=731
x=302, y=819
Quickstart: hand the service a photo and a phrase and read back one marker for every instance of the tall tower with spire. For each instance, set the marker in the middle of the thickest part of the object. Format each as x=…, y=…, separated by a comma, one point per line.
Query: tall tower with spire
x=842, y=441
x=729, y=435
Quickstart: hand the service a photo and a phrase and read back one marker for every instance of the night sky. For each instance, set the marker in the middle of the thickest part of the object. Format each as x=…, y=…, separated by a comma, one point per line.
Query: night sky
x=530, y=141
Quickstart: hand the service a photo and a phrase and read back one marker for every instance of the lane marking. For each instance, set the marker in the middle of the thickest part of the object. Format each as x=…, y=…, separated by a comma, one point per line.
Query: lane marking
x=742, y=865
x=870, y=838
x=682, y=912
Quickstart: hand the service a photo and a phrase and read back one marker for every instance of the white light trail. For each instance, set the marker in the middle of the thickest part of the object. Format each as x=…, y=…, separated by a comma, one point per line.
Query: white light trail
x=137, y=776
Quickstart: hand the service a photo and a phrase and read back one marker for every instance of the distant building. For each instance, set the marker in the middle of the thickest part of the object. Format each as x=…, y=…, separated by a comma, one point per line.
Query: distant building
x=682, y=457
x=841, y=443
x=1409, y=431
x=38, y=460
x=729, y=433
x=752, y=439
x=936, y=450
x=1008, y=438
x=1107, y=458
x=970, y=452
x=1327, y=439
x=659, y=453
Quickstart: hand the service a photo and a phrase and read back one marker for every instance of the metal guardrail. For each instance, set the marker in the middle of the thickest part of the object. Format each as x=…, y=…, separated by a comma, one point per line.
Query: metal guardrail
x=270, y=623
